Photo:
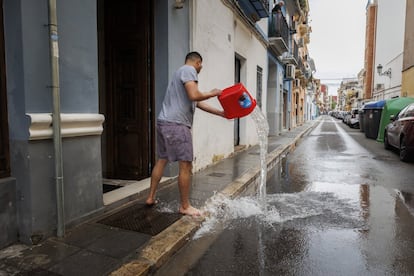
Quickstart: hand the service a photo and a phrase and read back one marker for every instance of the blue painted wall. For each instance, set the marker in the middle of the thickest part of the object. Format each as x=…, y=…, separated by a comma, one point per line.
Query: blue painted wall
x=28, y=91
x=172, y=36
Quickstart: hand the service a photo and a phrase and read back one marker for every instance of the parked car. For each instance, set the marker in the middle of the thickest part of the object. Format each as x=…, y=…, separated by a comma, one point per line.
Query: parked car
x=353, y=121
x=346, y=116
x=351, y=118
x=400, y=133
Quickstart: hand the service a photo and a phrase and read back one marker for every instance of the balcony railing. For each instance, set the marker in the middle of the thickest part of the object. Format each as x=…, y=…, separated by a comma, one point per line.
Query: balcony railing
x=278, y=33
x=292, y=56
x=296, y=51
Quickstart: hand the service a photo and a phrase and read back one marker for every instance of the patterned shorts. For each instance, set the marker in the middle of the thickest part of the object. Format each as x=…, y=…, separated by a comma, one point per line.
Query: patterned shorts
x=174, y=142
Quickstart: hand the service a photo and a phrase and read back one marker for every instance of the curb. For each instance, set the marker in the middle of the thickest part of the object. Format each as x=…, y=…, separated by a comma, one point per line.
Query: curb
x=169, y=241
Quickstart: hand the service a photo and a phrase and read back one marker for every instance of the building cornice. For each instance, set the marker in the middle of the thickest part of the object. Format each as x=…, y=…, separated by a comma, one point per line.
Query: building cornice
x=72, y=125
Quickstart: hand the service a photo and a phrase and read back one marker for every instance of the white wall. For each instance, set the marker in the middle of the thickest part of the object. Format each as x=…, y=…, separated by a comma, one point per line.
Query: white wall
x=212, y=36
x=389, y=45
x=218, y=37
x=247, y=46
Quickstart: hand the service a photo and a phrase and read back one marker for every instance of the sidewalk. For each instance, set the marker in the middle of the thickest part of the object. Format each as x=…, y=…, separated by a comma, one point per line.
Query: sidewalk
x=135, y=239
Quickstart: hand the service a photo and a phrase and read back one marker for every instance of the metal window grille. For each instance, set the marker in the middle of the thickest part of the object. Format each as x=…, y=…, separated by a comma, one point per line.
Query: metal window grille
x=259, y=88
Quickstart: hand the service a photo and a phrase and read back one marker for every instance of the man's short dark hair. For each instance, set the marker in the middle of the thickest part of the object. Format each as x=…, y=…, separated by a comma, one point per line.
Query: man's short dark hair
x=193, y=56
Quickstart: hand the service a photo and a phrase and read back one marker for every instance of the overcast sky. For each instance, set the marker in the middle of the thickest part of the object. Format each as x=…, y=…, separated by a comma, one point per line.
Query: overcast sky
x=337, y=41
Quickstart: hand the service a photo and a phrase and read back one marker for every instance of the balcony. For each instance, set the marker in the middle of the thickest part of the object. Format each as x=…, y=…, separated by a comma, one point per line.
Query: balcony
x=307, y=71
x=303, y=29
x=292, y=56
x=301, y=42
x=311, y=63
x=300, y=68
x=278, y=34
x=255, y=9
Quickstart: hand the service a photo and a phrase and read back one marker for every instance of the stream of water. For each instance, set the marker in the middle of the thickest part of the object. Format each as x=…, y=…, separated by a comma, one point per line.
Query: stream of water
x=262, y=129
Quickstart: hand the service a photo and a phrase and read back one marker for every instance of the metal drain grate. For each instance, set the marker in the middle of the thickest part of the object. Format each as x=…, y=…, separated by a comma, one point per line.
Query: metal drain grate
x=382, y=157
x=216, y=174
x=142, y=219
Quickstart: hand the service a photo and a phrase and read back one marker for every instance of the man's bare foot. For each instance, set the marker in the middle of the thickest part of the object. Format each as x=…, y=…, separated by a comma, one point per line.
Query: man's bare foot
x=150, y=202
x=190, y=211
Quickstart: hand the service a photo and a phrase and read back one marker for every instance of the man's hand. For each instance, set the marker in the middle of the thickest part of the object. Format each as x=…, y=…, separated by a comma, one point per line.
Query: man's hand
x=215, y=92
x=195, y=95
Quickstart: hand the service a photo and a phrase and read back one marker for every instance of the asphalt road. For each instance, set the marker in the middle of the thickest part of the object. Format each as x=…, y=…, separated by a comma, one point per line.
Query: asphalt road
x=340, y=204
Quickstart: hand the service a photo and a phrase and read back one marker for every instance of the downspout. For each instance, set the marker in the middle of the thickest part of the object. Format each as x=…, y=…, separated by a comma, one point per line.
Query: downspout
x=193, y=22
x=57, y=137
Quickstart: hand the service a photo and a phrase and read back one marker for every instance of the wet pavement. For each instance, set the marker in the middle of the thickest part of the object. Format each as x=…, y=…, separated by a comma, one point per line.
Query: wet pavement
x=332, y=208
x=135, y=239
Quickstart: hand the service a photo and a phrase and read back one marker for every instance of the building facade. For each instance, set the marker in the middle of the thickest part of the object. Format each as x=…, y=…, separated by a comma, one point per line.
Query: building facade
x=290, y=67
x=388, y=53
x=369, y=66
x=407, y=86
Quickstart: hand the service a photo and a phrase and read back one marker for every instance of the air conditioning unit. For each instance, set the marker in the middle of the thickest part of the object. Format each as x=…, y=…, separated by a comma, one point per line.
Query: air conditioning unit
x=290, y=71
x=379, y=86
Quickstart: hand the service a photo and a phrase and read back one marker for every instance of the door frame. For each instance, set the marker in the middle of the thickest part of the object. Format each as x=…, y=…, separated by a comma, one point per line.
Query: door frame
x=107, y=165
x=4, y=127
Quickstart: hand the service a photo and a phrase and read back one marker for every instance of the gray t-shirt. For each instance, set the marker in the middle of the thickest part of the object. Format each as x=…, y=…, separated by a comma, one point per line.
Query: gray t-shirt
x=177, y=107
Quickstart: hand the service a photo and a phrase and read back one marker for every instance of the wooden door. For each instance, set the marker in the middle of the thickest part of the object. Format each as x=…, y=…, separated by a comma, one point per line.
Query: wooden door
x=128, y=48
x=4, y=136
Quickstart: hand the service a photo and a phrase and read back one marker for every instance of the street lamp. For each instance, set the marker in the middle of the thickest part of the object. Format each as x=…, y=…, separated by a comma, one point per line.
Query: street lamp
x=386, y=73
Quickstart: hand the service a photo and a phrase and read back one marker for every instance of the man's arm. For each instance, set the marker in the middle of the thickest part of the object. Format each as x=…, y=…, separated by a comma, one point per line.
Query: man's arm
x=195, y=95
x=208, y=108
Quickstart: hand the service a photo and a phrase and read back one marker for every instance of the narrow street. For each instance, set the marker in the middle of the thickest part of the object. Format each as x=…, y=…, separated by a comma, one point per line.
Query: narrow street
x=340, y=204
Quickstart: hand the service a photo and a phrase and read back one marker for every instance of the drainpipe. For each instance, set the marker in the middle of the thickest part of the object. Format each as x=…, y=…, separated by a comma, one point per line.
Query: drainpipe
x=57, y=138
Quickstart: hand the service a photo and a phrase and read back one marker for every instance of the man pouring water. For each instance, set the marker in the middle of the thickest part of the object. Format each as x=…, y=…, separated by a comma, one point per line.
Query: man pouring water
x=174, y=138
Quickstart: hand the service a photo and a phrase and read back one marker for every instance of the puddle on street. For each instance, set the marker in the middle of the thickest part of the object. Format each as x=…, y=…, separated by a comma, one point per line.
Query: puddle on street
x=323, y=215
x=327, y=228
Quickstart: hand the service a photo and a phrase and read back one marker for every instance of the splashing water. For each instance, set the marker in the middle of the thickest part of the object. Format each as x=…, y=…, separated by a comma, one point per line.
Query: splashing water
x=320, y=209
x=221, y=210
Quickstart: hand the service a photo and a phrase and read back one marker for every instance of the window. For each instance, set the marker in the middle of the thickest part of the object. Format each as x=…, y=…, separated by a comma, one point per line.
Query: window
x=410, y=111
x=4, y=136
x=259, y=87
x=402, y=113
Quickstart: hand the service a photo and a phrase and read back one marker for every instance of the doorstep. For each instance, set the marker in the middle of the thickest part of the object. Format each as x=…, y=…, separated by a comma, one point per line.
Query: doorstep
x=131, y=191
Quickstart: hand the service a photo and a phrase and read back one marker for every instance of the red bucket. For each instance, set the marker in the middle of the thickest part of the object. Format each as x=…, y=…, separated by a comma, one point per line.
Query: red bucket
x=236, y=101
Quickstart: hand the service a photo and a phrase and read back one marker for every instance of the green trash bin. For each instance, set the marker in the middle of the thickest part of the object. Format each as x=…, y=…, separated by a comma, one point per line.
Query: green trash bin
x=372, y=118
